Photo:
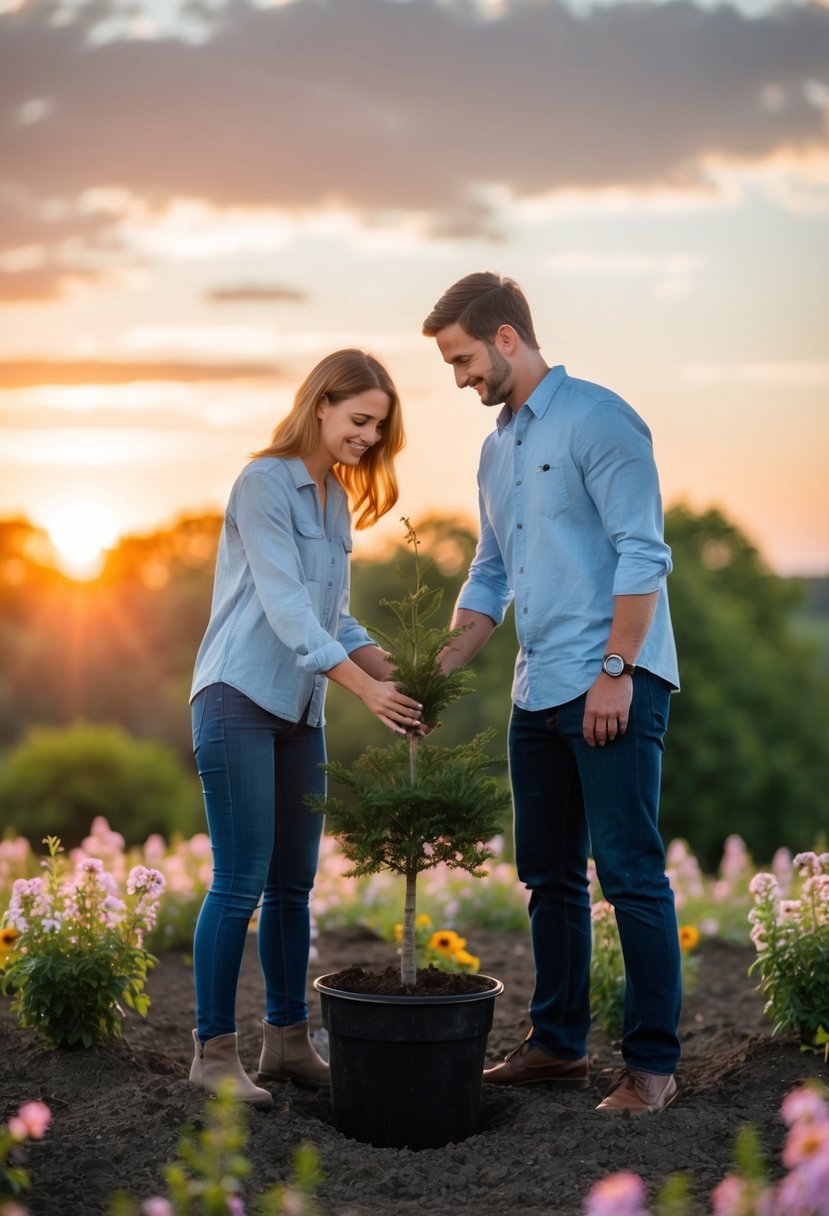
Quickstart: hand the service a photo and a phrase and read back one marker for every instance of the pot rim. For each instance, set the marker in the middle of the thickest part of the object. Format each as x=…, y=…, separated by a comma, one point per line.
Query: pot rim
x=415, y=999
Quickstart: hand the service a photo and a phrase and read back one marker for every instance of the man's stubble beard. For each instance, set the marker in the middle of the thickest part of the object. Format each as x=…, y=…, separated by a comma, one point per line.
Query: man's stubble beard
x=499, y=370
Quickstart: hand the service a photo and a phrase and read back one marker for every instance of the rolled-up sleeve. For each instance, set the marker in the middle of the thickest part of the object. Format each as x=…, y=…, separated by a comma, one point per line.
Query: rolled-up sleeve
x=620, y=474
x=262, y=516
x=487, y=588
x=351, y=635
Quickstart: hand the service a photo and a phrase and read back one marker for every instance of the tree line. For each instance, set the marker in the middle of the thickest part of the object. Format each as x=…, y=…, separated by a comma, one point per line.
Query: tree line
x=748, y=742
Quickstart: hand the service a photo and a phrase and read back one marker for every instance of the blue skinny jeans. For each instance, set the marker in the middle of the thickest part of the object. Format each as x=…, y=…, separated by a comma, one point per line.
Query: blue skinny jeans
x=255, y=770
x=570, y=798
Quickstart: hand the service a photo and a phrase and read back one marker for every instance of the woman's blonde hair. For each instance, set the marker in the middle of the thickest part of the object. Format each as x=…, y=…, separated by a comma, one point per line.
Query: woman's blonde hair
x=372, y=484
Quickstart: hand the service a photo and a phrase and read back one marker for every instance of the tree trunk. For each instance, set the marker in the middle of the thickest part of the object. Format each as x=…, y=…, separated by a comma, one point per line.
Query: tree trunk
x=413, y=742
x=408, y=949
x=408, y=953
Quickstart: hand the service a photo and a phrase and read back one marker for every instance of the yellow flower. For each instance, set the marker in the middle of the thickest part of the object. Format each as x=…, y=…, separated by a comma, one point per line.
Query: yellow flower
x=8, y=937
x=446, y=941
x=688, y=937
x=398, y=933
x=464, y=959
x=423, y=921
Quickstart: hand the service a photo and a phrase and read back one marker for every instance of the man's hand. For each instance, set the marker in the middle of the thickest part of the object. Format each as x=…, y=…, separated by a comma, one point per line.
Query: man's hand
x=606, y=709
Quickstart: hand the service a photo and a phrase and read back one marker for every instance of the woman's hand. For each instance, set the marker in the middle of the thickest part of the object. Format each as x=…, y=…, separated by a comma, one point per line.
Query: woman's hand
x=394, y=709
x=381, y=695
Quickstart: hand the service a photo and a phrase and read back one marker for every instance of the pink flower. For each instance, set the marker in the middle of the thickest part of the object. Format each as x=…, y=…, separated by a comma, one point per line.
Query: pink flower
x=154, y=847
x=758, y=937
x=804, y=1104
x=601, y=911
x=794, y=1197
x=735, y=859
x=763, y=885
x=781, y=865
x=157, y=1207
x=740, y=1197
x=144, y=880
x=30, y=1122
x=621, y=1194
x=807, y=1147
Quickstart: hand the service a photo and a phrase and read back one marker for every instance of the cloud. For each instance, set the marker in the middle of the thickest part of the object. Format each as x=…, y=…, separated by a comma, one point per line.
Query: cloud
x=47, y=246
x=255, y=293
x=39, y=285
x=384, y=107
x=22, y=373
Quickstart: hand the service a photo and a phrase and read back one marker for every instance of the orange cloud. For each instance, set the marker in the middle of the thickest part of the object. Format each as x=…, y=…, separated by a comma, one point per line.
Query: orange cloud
x=23, y=373
x=247, y=293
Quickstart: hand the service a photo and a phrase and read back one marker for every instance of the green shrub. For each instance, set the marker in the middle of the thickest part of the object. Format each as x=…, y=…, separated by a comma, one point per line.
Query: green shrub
x=58, y=780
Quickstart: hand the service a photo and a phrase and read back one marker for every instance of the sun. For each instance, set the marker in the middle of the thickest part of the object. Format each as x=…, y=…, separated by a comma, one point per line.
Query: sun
x=81, y=532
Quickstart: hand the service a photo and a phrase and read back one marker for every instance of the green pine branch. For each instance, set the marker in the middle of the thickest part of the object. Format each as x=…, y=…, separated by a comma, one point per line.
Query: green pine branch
x=446, y=817
x=414, y=647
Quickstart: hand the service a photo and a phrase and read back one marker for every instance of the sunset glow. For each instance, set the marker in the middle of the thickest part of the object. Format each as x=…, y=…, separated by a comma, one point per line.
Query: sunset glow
x=166, y=284
x=81, y=533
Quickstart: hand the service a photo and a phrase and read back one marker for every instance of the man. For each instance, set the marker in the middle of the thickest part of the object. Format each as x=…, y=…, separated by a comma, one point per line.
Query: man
x=571, y=530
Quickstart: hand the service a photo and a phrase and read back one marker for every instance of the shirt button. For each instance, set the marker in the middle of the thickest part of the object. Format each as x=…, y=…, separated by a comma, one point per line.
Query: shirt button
x=518, y=483
x=518, y=442
x=519, y=526
x=520, y=569
x=330, y=584
x=525, y=611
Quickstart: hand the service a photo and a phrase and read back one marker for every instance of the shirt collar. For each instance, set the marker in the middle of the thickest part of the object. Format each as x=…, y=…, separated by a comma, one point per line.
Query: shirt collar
x=301, y=477
x=299, y=473
x=541, y=396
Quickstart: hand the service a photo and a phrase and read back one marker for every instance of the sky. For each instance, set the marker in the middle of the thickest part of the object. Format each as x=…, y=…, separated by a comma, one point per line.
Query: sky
x=201, y=198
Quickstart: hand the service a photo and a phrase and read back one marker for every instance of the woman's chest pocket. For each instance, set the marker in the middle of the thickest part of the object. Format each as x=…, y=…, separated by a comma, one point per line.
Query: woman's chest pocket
x=548, y=490
x=313, y=548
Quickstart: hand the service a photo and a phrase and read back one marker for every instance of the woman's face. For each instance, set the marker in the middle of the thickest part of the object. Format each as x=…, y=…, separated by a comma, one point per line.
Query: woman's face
x=349, y=428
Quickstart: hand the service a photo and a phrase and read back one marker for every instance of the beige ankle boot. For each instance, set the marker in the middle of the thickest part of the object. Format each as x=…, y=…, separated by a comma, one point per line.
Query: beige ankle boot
x=217, y=1060
x=288, y=1055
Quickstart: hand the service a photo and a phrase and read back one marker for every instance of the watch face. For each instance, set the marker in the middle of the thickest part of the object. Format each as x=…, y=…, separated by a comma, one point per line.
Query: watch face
x=614, y=665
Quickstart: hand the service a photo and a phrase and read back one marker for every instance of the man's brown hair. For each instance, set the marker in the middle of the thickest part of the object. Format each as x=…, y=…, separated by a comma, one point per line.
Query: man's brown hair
x=480, y=303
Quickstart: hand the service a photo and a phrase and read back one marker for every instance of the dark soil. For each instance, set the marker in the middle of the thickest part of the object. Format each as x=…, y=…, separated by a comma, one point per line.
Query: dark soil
x=386, y=982
x=118, y=1111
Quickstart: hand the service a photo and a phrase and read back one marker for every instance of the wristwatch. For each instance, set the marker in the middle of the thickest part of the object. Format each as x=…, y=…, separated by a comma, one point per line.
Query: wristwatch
x=614, y=665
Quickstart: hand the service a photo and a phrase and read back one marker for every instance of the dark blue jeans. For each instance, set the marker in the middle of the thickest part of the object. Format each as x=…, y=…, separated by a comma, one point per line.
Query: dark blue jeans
x=571, y=799
x=255, y=771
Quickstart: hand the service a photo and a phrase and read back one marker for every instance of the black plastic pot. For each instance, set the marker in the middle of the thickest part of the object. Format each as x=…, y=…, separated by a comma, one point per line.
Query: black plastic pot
x=406, y=1070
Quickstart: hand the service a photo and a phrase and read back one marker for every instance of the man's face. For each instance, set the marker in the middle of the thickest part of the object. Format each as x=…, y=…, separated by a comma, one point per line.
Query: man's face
x=477, y=364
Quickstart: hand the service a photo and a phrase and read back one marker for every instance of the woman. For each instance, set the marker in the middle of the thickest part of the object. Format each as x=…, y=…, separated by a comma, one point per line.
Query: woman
x=279, y=629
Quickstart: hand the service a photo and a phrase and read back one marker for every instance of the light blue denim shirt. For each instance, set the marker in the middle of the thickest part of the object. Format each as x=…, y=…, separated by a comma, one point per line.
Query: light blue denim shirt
x=279, y=616
x=571, y=515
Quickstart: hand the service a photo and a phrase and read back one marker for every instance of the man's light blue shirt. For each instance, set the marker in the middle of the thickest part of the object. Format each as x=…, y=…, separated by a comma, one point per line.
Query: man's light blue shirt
x=279, y=617
x=571, y=516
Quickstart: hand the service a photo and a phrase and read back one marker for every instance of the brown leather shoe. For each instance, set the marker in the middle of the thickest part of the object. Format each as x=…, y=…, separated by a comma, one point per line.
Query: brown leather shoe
x=528, y=1065
x=633, y=1093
